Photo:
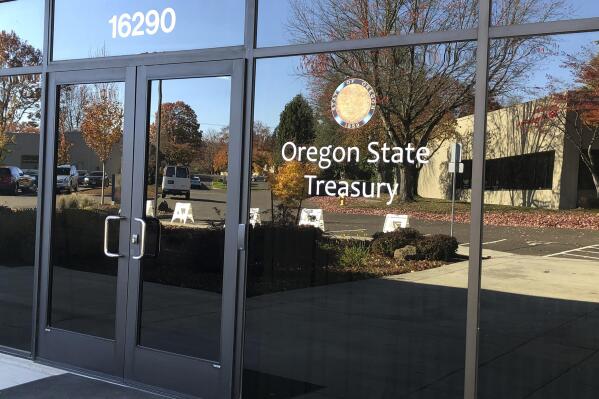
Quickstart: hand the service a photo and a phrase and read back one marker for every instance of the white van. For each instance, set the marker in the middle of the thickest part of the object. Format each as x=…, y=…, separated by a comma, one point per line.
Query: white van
x=176, y=181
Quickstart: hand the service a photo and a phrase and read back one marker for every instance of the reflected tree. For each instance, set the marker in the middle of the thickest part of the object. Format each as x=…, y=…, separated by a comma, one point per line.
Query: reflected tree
x=19, y=95
x=576, y=111
x=102, y=124
x=180, y=134
x=420, y=90
x=220, y=161
x=296, y=124
x=263, y=148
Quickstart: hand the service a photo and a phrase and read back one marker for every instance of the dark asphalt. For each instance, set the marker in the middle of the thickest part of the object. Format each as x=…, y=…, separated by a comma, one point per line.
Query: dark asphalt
x=518, y=240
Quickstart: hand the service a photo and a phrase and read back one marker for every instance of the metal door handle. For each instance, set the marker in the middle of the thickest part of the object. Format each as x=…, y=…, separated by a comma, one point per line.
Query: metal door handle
x=142, y=239
x=106, y=223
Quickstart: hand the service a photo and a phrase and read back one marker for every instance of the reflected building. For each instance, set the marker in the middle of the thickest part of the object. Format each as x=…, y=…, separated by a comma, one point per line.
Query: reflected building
x=532, y=159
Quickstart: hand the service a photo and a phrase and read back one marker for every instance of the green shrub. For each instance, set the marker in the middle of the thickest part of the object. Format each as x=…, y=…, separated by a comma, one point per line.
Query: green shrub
x=353, y=256
x=386, y=243
x=75, y=201
x=17, y=236
x=436, y=247
x=164, y=207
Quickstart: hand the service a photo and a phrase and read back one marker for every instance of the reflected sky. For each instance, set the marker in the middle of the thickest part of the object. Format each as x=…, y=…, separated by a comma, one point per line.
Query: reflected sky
x=26, y=18
x=83, y=28
x=219, y=23
x=208, y=97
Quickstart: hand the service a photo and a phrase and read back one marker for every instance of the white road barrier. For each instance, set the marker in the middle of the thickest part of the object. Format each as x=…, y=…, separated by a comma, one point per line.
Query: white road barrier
x=312, y=217
x=150, y=209
x=394, y=222
x=255, y=216
x=183, y=212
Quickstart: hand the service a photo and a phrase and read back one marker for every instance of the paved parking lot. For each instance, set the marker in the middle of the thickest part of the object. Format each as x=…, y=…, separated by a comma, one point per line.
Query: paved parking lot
x=588, y=252
x=209, y=206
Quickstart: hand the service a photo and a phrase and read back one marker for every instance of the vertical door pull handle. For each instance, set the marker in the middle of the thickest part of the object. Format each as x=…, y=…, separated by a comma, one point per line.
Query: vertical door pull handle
x=106, y=225
x=241, y=233
x=142, y=239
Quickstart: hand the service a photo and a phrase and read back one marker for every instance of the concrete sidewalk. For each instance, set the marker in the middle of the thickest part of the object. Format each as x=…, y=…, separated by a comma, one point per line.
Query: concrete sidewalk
x=16, y=371
x=25, y=379
x=403, y=336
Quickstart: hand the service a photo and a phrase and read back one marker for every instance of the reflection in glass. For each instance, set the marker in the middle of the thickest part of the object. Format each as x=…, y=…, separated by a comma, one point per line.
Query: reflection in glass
x=21, y=33
x=89, y=140
x=506, y=12
x=539, y=303
x=186, y=192
x=85, y=29
x=358, y=293
x=19, y=162
x=283, y=22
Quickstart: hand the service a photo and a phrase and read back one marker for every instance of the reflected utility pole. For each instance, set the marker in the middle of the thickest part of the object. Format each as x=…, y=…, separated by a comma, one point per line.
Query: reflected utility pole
x=157, y=156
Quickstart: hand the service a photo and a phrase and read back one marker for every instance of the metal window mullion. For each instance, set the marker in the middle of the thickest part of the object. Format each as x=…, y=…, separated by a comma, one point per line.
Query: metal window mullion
x=545, y=28
x=41, y=166
x=48, y=18
x=366, y=44
x=477, y=203
x=251, y=34
x=28, y=70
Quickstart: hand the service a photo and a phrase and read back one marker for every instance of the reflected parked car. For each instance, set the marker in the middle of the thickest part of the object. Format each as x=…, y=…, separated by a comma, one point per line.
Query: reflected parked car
x=94, y=179
x=176, y=181
x=196, y=182
x=33, y=173
x=67, y=178
x=14, y=181
x=82, y=174
x=257, y=179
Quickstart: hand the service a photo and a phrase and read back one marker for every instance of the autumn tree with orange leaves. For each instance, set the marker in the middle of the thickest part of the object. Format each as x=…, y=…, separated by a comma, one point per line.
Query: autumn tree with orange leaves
x=420, y=89
x=102, y=124
x=289, y=187
x=575, y=112
x=20, y=94
x=180, y=134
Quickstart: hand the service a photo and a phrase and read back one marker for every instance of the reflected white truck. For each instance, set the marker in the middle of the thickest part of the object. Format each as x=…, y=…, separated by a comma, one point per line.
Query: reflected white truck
x=176, y=181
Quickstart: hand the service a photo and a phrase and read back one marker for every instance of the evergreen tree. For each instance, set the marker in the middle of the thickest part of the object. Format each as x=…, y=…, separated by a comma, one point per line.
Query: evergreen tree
x=296, y=124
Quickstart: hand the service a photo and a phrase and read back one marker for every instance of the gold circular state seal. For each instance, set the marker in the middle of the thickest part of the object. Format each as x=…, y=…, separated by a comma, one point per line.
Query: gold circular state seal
x=353, y=103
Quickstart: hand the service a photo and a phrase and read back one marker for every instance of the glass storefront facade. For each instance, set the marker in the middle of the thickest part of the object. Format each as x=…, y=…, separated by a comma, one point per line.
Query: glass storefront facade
x=303, y=198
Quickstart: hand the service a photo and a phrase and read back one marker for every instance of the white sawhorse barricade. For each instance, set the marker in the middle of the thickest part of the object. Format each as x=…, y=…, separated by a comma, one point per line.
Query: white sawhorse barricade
x=255, y=216
x=312, y=217
x=394, y=222
x=183, y=212
x=150, y=209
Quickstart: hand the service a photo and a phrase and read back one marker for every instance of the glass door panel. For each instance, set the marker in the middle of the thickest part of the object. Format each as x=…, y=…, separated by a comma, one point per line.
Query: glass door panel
x=186, y=196
x=88, y=159
x=87, y=201
x=186, y=193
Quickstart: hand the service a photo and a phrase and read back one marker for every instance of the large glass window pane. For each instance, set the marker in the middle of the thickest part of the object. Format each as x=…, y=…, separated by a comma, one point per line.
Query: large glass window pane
x=540, y=270
x=89, y=149
x=307, y=21
x=186, y=168
x=355, y=288
x=19, y=162
x=21, y=33
x=85, y=29
x=509, y=12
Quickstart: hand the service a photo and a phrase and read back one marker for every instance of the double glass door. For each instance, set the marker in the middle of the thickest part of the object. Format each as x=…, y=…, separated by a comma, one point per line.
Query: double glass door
x=141, y=220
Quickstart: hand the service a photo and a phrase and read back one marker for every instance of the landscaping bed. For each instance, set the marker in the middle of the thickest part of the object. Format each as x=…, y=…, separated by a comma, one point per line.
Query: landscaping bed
x=439, y=210
x=280, y=257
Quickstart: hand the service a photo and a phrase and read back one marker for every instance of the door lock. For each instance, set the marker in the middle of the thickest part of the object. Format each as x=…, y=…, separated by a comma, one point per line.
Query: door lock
x=134, y=239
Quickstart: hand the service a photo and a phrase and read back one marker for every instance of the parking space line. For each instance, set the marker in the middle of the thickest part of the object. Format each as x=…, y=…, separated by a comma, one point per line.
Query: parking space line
x=570, y=252
x=582, y=256
x=494, y=242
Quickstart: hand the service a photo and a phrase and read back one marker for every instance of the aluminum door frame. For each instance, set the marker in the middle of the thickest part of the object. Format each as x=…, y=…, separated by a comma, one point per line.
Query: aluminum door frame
x=148, y=366
x=74, y=350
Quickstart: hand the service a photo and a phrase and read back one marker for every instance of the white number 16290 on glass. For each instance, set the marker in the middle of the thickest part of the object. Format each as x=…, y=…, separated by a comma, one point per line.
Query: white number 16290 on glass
x=140, y=24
